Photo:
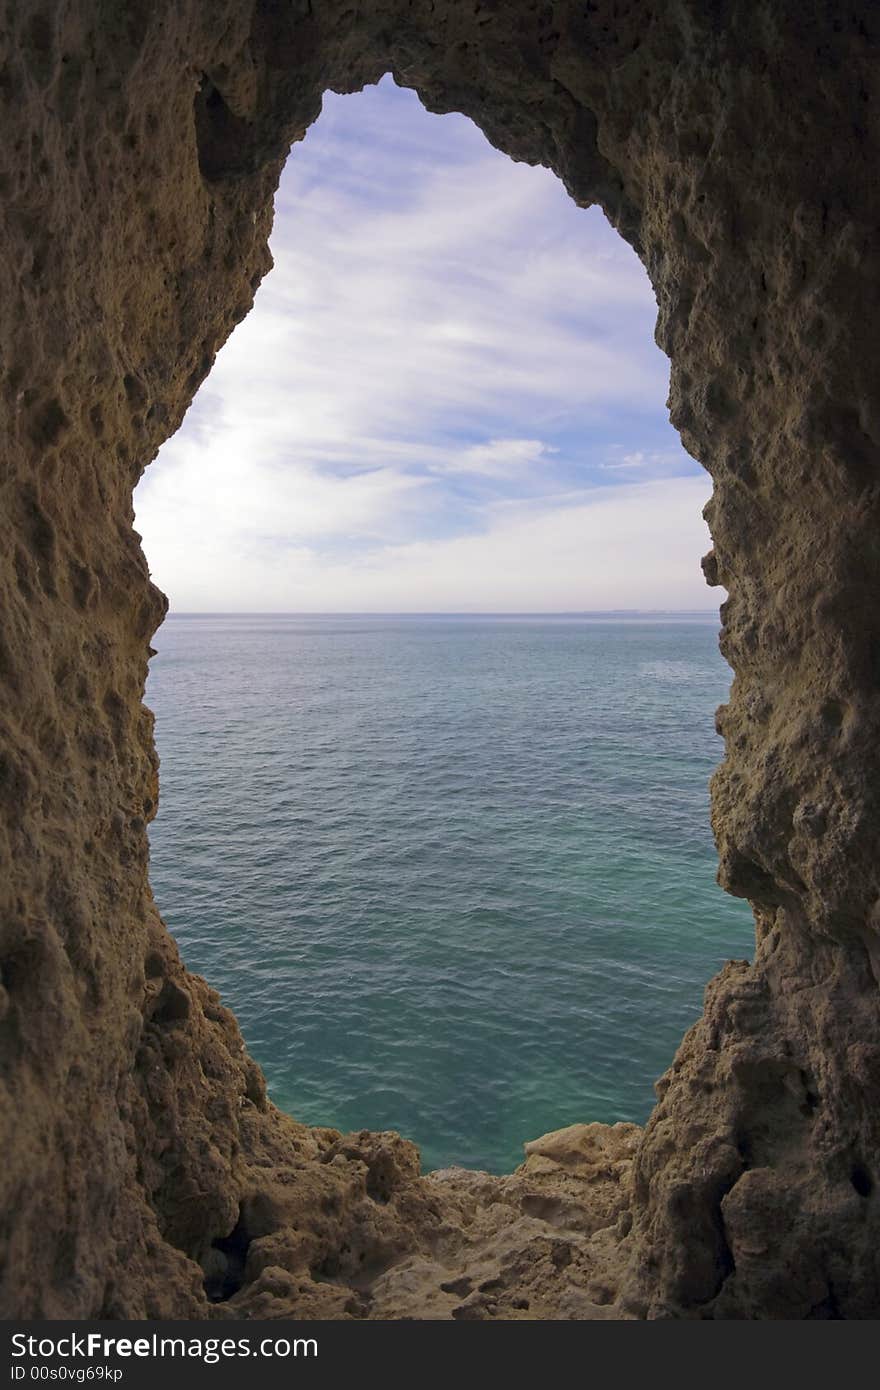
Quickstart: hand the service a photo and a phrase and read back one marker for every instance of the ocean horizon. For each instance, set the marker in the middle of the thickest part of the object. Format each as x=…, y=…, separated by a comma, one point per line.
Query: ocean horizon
x=710, y=614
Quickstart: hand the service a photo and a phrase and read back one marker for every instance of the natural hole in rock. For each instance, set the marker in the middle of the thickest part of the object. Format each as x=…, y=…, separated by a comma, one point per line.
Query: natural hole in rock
x=224, y=1264
x=862, y=1180
x=454, y=875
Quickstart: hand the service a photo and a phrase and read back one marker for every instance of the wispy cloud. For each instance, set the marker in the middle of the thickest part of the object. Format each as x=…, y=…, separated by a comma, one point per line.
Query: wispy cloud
x=497, y=458
x=642, y=463
x=448, y=360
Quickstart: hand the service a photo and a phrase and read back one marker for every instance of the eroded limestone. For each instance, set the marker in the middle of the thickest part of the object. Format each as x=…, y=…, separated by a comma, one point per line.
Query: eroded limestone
x=734, y=145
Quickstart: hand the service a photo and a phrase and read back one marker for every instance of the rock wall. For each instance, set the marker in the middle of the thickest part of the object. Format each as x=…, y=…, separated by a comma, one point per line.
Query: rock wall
x=734, y=144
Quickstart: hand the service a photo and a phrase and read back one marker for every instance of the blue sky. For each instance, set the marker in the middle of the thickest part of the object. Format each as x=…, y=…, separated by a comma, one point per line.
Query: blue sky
x=446, y=398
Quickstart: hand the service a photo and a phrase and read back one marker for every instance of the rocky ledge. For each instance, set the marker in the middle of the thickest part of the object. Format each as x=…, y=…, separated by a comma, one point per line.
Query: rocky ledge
x=334, y=1226
x=735, y=146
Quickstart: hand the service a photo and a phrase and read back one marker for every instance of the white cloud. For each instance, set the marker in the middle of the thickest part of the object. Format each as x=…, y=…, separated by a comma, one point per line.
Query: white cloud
x=636, y=546
x=636, y=460
x=603, y=549
x=228, y=491
x=497, y=458
x=648, y=463
x=443, y=333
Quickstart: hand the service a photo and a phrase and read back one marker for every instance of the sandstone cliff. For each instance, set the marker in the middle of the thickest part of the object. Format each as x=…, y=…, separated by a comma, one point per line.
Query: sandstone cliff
x=734, y=144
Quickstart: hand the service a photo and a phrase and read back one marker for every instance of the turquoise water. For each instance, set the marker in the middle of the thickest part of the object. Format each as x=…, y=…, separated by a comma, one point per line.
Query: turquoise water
x=454, y=876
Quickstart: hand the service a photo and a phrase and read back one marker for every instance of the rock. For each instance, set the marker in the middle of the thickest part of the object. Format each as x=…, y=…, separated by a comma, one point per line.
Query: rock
x=735, y=147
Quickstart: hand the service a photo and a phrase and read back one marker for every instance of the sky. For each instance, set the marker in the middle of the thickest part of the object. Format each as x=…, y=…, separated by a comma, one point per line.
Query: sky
x=447, y=398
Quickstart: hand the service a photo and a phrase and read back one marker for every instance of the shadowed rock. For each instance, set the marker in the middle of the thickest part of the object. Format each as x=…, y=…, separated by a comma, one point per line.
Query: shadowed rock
x=735, y=146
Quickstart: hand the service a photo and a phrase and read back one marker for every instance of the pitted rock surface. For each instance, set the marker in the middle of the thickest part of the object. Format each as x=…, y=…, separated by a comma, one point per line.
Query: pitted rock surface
x=735, y=146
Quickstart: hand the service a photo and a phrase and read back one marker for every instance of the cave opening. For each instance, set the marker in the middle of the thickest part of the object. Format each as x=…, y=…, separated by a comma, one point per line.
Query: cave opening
x=452, y=872
x=143, y=151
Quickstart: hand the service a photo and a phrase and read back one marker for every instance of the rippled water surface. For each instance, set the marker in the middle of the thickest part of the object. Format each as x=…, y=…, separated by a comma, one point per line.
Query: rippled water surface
x=454, y=876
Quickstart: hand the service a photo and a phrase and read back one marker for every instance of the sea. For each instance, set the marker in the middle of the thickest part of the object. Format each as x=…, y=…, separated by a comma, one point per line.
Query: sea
x=453, y=874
